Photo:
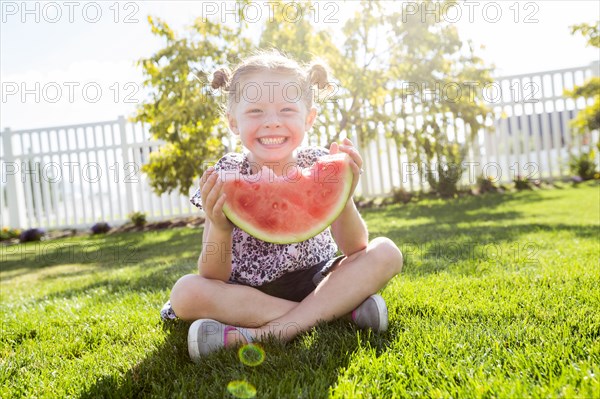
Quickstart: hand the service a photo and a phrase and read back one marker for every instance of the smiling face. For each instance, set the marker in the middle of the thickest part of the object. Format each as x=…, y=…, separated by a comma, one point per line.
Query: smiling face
x=270, y=117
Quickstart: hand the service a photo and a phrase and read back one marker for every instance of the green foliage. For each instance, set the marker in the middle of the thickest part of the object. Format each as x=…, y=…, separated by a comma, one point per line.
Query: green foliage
x=8, y=233
x=137, y=218
x=587, y=119
x=583, y=165
x=428, y=56
x=522, y=183
x=447, y=169
x=400, y=195
x=182, y=110
x=589, y=32
x=486, y=185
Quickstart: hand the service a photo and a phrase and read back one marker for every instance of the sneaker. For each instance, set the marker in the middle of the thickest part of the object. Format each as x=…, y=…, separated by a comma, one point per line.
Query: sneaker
x=372, y=313
x=206, y=336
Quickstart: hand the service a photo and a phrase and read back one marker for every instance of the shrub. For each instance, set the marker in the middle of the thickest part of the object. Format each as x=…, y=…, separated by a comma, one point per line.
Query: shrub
x=31, y=235
x=445, y=172
x=583, y=165
x=100, y=228
x=8, y=234
x=486, y=185
x=522, y=183
x=445, y=181
x=138, y=218
x=401, y=195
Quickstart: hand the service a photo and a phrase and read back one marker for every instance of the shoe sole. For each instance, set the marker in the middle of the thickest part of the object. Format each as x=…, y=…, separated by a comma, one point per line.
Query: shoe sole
x=383, y=312
x=193, y=333
x=192, y=340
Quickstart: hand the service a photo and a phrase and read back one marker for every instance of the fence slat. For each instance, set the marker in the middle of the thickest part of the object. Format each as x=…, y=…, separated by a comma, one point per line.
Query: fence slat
x=14, y=190
x=125, y=155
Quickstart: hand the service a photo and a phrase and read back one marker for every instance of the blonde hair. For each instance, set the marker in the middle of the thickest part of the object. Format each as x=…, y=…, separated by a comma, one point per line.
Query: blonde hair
x=307, y=76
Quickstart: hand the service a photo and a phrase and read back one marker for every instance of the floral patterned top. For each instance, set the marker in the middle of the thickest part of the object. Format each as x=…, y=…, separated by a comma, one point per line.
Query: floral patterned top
x=256, y=262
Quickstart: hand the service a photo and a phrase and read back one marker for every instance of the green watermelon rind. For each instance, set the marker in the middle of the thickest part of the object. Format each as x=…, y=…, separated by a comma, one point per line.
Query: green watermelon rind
x=346, y=177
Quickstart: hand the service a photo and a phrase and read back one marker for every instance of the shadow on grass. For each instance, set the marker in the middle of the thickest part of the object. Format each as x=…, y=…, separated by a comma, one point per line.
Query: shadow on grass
x=111, y=251
x=161, y=277
x=432, y=248
x=468, y=208
x=305, y=368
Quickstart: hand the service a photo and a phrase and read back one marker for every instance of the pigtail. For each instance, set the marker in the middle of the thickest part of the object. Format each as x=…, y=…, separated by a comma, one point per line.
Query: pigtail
x=317, y=75
x=221, y=78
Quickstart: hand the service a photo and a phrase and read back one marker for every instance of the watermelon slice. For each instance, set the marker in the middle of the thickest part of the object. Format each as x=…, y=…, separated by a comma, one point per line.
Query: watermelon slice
x=289, y=208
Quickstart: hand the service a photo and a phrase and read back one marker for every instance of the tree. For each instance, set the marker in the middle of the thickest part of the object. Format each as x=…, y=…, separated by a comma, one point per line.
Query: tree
x=588, y=118
x=182, y=110
x=441, y=81
x=384, y=51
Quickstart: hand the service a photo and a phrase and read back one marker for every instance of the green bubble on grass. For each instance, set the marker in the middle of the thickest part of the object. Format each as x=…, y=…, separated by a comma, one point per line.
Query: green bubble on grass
x=251, y=355
x=241, y=389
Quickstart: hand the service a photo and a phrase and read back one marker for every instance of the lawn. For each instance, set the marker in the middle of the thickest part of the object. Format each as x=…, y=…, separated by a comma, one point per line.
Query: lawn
x=498, y=298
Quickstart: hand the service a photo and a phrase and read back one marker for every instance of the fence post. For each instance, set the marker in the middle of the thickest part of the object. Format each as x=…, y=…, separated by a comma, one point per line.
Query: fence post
x=595, y=67
x=364, y=186
x=125, y=153
x=15, y=204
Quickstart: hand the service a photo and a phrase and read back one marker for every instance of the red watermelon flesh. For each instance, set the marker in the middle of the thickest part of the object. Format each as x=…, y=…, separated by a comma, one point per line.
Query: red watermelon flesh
x=289, y=208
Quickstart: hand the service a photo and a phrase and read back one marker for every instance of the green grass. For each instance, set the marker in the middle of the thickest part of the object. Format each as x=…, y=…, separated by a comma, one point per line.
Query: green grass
x=498, y=298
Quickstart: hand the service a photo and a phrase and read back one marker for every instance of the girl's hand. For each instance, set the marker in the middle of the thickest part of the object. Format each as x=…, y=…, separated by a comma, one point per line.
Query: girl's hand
x=213, y=198
x=347, y=147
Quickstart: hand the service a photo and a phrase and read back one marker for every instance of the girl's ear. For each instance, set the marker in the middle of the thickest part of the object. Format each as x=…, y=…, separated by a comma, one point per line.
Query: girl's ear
x=310, y=118
x=233, y=124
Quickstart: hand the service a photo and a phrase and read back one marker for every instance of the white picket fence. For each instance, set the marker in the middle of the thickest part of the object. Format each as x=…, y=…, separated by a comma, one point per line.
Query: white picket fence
x=74, y=176
x=531, y=136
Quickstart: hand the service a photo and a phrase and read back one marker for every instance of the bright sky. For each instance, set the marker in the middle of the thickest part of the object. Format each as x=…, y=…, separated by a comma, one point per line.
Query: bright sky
x=68, y=62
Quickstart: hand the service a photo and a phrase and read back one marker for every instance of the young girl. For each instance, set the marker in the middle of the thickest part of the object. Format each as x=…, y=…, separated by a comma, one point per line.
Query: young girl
x=247, y=289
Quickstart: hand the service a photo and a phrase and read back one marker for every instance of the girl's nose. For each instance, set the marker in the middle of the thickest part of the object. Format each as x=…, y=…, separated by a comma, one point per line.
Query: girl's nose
x=272, y=121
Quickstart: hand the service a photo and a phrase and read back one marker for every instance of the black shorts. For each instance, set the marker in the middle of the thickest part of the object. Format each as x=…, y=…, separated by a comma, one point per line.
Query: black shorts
x=295, y=286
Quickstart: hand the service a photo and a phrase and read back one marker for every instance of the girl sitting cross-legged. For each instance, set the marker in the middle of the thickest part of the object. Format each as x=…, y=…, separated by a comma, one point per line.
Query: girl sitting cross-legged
x=250, y=289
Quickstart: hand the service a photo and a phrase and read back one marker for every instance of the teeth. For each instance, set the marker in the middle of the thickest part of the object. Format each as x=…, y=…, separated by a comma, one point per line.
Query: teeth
x=271, y=140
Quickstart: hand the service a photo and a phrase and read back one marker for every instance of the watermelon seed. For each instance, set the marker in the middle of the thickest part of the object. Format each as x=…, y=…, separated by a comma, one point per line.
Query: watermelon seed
x=274, y=205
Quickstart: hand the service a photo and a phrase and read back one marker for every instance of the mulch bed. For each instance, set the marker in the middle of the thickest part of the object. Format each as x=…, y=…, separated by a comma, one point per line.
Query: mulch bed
x=190, y=221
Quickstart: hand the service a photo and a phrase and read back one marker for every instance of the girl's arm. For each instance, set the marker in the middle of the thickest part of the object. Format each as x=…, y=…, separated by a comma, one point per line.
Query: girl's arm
x=349, y=230
x=215, y=258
